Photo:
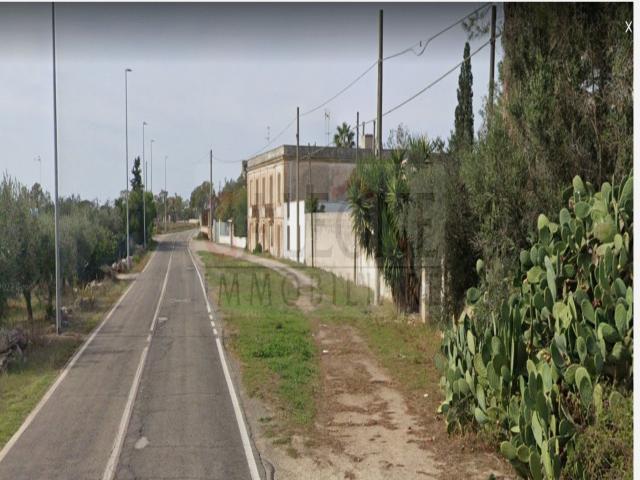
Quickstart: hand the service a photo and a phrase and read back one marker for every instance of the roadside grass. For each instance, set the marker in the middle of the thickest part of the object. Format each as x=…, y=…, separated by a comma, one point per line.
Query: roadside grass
x=270, y=335
x=27, y=380
x=402, y=343
x=274, y=341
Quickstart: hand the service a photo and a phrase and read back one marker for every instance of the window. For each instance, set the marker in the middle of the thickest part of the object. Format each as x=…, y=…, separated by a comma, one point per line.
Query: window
x=279, y=199
x=263, y=196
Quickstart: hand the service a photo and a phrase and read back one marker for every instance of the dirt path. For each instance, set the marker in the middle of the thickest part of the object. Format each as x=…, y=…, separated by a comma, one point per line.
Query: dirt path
x=365, y=428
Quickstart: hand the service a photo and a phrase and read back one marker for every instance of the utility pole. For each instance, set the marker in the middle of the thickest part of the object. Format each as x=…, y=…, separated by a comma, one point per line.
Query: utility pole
x=378, y=142
x=211, y=195
x=144, y=189
x=126, y=154
x=355, y=240
x=151, y=168
x=55, y=166
x=311, y=200
x=357, y=134
x=298, y=184
x=379, y=116
x=166, y=193
x=492, y=57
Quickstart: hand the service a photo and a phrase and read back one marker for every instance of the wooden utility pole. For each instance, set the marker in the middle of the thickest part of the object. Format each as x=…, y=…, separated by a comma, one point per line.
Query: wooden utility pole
x=298, y=184
x=311, y=204
x=211, y=195
x=355, y=240
x=493, y=56
x=379, y=116
x=378, y=130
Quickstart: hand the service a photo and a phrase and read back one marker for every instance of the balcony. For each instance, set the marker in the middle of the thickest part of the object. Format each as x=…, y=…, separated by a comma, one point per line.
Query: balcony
x=266, y=211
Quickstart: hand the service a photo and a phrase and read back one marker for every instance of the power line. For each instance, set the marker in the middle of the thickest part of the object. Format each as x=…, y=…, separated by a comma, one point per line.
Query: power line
x=353, y=82
x=394, y=55
x=368, y=69
x=433, y=37
x=437, y=80
x=275, y=138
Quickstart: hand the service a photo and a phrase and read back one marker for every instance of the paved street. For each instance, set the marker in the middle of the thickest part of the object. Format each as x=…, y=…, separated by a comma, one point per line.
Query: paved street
x=146, y=398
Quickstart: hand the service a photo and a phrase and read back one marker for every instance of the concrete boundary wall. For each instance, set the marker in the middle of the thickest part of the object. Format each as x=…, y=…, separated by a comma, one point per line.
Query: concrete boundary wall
x=334, y=246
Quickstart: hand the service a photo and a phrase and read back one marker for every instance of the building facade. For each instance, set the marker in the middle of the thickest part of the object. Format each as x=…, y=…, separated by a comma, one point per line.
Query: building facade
x=271, y=190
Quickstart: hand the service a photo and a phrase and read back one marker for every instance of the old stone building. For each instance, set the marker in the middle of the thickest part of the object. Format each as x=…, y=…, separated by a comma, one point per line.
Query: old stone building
x=271, y=188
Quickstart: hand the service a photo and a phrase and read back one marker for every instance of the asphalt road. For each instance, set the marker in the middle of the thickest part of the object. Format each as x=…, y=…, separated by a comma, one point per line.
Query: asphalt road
x=149, y=396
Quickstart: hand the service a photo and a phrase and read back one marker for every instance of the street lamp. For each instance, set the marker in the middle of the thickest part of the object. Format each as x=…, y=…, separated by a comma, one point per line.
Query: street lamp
x=126, y=155
x=166, y=194
x=55, y=163
x=144, y=204
x=151, y=170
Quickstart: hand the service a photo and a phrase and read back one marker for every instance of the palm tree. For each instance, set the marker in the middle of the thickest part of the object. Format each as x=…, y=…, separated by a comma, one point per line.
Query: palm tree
x=378, y=195
x=344, y=136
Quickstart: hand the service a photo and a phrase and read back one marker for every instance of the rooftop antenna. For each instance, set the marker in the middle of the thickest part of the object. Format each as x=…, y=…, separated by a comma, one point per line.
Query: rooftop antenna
x=327, y=121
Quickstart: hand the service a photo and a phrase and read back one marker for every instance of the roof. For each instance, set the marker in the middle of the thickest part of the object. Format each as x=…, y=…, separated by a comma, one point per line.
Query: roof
x=327, y=154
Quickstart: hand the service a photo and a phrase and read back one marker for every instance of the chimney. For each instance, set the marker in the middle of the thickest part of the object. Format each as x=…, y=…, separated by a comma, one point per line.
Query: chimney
x=366, y=141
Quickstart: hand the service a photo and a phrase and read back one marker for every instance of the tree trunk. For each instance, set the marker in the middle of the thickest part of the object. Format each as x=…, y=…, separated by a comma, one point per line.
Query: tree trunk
x=27, y=300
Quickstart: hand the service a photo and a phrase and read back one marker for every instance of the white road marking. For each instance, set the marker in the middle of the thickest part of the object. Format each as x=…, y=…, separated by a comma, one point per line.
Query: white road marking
x=149, y=262
x=244, y=435
x=112, y=464
x=215, y=332
x=7, y=447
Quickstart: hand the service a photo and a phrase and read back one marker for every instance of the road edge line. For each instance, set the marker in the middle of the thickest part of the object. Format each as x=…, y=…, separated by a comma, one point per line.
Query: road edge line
x=240, y=420
x=118, y=442
x=61, y=376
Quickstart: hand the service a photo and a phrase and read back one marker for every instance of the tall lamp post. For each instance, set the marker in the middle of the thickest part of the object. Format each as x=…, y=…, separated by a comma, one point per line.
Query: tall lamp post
x=166, y=193
x=144, y=188
x=126, y=155
x=151, y=166
x=55, y=163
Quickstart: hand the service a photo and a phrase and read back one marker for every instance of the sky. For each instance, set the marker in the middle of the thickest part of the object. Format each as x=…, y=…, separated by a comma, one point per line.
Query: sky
x=212, y=76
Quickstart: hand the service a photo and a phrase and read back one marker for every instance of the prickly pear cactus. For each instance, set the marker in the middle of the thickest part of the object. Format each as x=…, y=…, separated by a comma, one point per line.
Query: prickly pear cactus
x=537, y=370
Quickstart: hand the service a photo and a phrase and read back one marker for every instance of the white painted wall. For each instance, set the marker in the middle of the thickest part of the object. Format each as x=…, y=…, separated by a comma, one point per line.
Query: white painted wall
x=290, y=249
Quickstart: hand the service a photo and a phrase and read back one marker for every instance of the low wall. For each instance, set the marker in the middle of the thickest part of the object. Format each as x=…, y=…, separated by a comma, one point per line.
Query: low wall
x=334, y=247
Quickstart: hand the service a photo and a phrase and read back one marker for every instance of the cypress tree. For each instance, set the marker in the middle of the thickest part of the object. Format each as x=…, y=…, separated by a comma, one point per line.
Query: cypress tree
x=463, y=133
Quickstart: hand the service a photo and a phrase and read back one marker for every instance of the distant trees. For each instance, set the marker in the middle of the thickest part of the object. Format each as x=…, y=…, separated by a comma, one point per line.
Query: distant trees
x=140, y=210
x=231, y=204
x=91, y=235
x=200, y=198
x=344, y=136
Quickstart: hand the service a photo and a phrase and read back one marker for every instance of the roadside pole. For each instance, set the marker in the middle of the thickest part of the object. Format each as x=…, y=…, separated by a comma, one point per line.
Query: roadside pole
x=378, y=130
x=355, y=240
x=55, y=166
x=166, y=194
x=144, y=188
x=311, y=205
x=210, y=195
x=298, y=184
x=126, y=154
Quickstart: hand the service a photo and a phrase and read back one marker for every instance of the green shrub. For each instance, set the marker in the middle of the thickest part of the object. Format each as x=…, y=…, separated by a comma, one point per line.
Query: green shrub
x=536, y=368
x=258, y=248
x=604, y=450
